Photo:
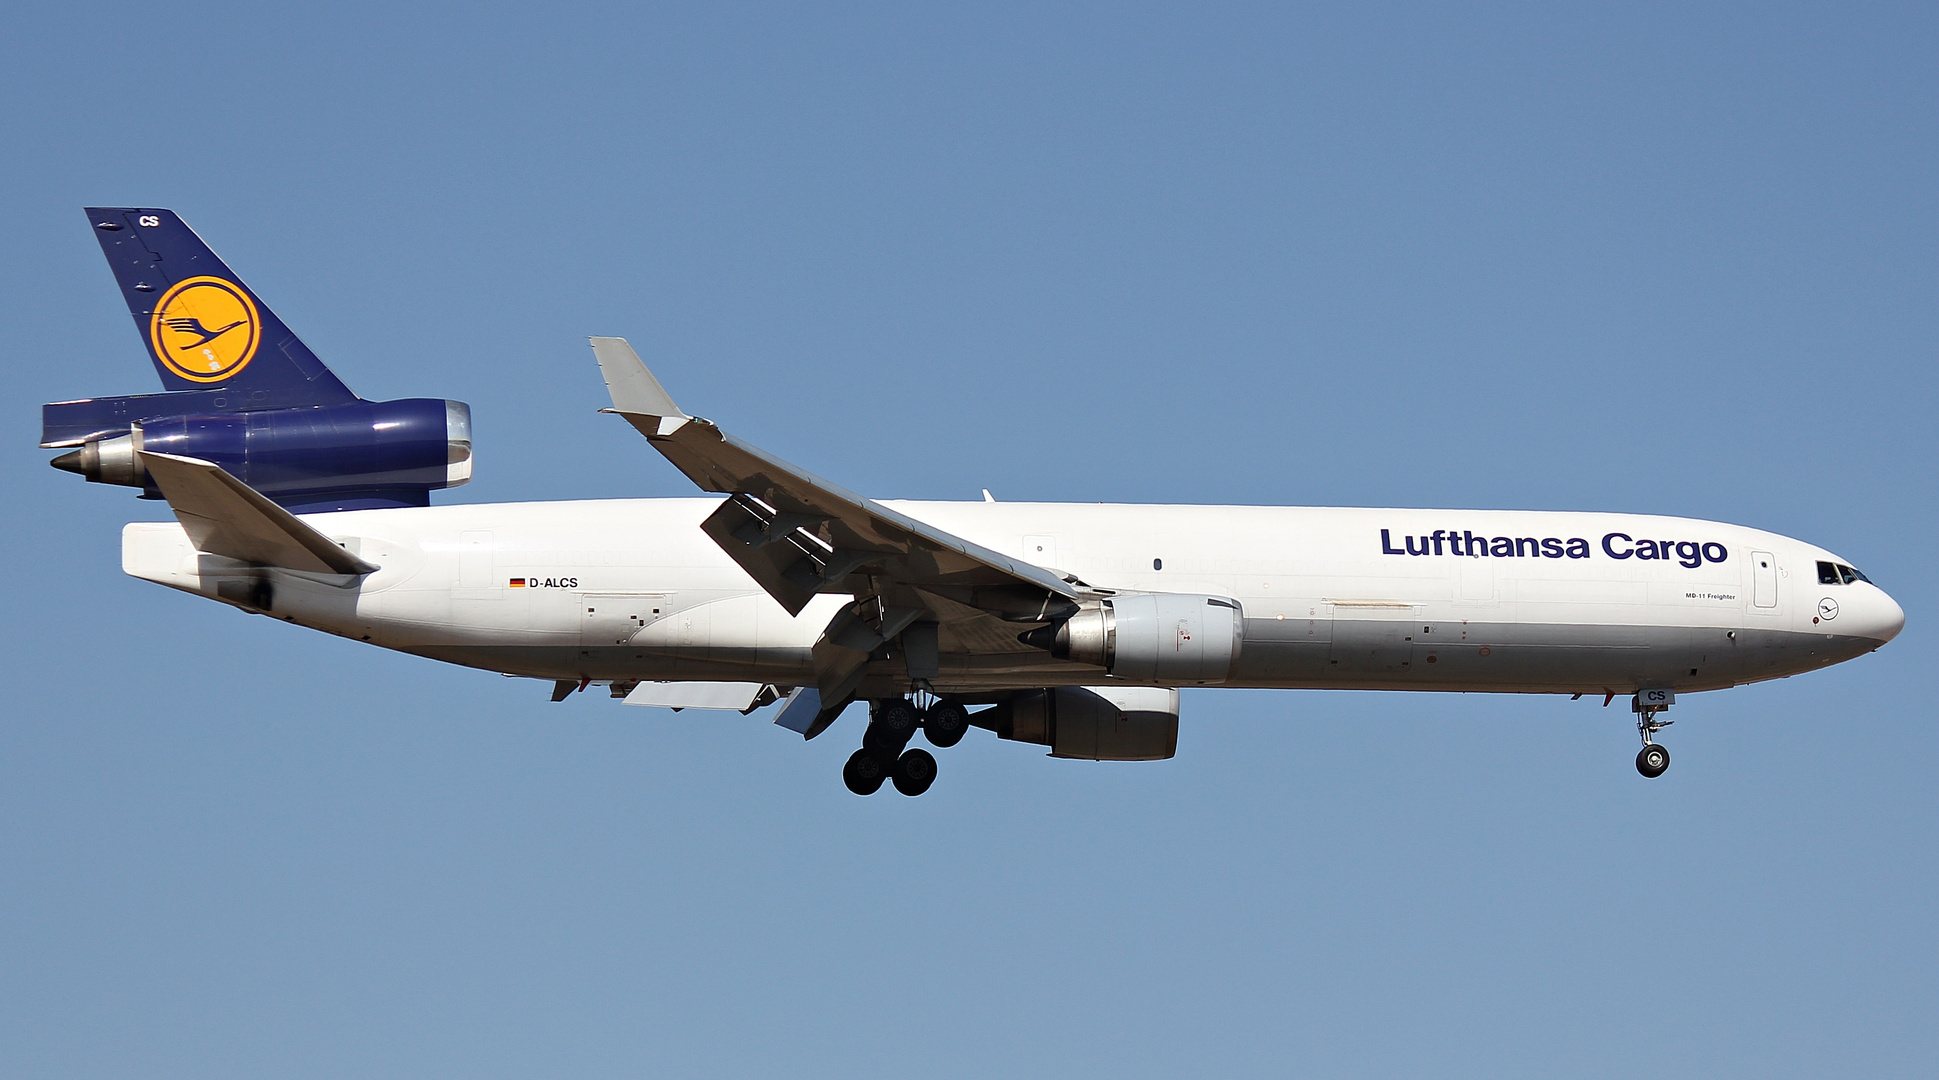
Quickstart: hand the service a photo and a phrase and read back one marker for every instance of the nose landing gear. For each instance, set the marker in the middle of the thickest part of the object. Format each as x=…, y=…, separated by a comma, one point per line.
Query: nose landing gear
x=1652, y=761
x=1649, y=705
x=885, y=755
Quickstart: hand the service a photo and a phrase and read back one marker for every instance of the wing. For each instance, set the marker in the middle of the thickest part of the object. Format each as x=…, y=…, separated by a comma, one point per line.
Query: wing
x=798, y=535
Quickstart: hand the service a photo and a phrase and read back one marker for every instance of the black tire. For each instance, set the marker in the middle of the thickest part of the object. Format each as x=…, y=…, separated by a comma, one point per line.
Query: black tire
x=891, y=728
x=914, y=772
x=944, y=724
x=884, y=743
x=864, y=772
x=1652, y=761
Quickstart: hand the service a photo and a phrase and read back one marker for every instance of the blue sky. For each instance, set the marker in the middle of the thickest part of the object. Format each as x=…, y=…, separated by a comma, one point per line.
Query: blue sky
x=1669, y=258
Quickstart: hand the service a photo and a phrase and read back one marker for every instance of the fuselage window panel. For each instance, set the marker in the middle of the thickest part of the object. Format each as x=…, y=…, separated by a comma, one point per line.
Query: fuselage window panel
x=1828, y=574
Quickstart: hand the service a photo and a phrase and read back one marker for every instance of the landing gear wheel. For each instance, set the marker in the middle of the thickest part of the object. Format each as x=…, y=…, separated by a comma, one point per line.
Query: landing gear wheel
x=890, y=729
x=944, y=724
x=914, y=772
x=1652, y=761
x=865, y=772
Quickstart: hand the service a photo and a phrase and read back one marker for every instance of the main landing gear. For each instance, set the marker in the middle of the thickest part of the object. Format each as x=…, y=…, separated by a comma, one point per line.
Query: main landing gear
x=884, y=754
x=1649, y=706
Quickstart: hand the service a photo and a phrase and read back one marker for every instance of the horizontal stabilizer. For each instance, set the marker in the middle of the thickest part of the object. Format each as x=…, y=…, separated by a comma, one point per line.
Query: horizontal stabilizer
x=735, y=696
x=224, y=516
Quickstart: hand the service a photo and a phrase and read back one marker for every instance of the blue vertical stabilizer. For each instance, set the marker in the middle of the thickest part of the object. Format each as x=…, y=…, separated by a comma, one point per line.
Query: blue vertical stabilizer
x=202, y=326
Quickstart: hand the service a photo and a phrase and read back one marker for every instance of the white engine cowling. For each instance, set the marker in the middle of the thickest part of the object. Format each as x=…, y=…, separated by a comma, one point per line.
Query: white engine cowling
x=1169, y=638
x=1093, y=723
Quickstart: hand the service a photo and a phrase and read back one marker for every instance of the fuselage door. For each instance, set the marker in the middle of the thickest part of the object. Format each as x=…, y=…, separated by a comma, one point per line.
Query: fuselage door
x=613, y=618
x=1371, y=638
x=475, y=560
x=1041, y=550
x=1763, y=576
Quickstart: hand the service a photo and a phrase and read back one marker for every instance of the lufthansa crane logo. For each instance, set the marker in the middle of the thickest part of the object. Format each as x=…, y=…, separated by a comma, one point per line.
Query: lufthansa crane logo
x=205, y=329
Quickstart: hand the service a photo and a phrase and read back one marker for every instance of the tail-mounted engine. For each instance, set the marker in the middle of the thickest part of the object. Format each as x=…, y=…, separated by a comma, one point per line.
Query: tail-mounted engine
x=1171, y=639
x=354, y=456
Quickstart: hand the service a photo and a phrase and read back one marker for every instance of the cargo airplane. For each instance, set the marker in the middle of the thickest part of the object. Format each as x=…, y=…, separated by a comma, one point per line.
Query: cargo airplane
x=1066, y=625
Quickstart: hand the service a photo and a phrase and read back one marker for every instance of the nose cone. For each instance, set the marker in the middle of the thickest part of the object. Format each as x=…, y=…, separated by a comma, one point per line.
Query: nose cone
x=1881, y=617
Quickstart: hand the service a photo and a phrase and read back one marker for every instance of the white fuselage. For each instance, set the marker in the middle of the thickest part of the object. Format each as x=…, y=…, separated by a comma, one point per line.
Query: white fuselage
x=1332, y=597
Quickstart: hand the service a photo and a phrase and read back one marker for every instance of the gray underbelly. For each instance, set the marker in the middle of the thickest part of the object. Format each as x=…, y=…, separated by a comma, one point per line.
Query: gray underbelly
x=1384, y=654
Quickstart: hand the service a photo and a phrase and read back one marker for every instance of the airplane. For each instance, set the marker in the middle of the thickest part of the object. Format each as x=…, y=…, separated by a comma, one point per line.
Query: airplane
x=1066, y=625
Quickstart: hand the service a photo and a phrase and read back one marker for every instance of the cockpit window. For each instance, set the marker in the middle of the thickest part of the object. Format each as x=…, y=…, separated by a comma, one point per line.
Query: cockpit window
x=1839, y=574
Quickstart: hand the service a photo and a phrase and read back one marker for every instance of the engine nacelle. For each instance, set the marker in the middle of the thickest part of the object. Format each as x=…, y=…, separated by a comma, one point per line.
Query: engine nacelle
x=1094, y=723
x=354, y=456
x=1170, y=638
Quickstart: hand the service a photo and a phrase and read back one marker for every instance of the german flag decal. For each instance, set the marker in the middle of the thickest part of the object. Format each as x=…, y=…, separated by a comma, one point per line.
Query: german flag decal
x=518, y=583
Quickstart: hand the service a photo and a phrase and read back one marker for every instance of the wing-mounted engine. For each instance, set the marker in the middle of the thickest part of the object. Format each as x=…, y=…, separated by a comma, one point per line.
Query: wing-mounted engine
x=1094, y=723
x=1168, y=638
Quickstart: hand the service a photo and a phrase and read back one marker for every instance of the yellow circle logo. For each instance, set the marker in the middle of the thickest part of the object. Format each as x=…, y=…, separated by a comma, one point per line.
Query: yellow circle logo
x=205, y=329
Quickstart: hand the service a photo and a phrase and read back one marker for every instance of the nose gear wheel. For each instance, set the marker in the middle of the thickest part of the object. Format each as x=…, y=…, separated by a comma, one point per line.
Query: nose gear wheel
x=1652, y=760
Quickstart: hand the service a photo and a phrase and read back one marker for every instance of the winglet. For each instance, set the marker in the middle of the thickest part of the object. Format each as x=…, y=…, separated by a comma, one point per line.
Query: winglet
x=633, y=387
x=224, y=516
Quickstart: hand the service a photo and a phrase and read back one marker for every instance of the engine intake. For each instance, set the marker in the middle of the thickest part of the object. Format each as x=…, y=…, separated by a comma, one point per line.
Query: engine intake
x=1167, y=638
x=1093, y=723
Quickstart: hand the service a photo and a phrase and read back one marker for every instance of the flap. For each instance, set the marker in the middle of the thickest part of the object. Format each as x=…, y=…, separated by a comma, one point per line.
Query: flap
x=735, y=696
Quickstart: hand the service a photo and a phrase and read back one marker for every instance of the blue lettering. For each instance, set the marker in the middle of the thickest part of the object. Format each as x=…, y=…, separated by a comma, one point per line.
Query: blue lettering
x=1617, y=545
